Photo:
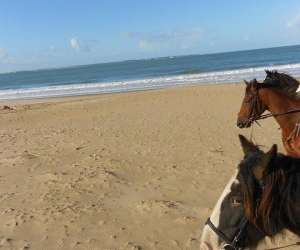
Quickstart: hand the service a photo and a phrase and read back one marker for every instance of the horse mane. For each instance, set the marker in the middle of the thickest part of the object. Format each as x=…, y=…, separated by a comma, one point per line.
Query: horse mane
x=274, y=207
x=282, y=81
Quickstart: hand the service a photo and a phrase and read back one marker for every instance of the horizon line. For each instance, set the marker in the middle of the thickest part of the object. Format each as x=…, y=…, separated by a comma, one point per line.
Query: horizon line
x=142, y=59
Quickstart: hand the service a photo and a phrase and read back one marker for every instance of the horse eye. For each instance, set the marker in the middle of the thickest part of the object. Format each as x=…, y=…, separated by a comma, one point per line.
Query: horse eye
x=236, y=201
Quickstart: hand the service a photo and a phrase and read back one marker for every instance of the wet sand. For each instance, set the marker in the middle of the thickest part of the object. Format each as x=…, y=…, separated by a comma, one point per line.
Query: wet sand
x=138, y=170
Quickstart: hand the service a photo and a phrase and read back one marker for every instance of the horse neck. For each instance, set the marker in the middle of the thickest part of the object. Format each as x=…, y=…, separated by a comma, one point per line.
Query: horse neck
x=277, y=102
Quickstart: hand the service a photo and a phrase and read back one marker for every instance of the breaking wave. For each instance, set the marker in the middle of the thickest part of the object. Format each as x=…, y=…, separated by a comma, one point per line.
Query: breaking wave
x=216, y=77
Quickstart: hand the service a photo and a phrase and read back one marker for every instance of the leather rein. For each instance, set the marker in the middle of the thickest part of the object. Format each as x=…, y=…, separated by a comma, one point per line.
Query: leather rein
x=233, y=244
x=256, y=106
x=261, y=117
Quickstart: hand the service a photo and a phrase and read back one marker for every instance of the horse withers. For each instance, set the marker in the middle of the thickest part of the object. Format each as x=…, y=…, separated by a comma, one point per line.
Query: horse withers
x=261, y=199
x=279, y=95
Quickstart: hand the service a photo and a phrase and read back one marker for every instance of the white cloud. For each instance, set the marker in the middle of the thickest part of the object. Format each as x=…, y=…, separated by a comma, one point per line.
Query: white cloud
x=83, y=45
x=178, y=39
x=246, y=38
x=74, y=44
x=6, y=58
x=3, y=54
x=145, y=45
x=212, y=43
x=294, y=23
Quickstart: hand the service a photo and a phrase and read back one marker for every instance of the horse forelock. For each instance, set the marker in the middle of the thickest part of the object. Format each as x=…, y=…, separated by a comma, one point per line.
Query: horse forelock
x=272, y=203
x=280, y=204
x=249, y=186
x=270, y=208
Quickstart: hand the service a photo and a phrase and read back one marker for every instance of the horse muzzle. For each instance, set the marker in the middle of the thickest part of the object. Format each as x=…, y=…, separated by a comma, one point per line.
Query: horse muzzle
x=243, y=123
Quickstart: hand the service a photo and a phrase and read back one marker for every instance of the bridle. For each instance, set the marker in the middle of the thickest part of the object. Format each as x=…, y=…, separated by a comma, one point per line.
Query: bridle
x=256, y=106
x=231, y=244
x=236, y=242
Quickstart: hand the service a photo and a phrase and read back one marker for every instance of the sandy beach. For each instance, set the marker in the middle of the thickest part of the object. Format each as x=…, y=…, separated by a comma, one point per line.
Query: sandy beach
x=138, y=170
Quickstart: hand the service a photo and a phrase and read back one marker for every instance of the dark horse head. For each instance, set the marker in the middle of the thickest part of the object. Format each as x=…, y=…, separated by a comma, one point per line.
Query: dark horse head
x=261, y=199
x=253, y=104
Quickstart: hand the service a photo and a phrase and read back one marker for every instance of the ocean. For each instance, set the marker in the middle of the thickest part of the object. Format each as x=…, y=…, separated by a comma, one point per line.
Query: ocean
x=131, y=75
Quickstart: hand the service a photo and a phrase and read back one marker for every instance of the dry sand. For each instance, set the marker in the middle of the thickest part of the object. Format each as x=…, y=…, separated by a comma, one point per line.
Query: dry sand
x=136, y=170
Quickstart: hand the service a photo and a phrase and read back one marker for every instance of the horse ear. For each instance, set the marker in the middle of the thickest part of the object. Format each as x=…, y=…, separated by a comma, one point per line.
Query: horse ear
x=268, y=72
x=247, y=146
x=246, y=82
x=263, y=168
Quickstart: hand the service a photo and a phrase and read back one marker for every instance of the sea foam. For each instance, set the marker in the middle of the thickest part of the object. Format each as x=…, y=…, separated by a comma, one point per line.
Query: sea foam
x=216, y=77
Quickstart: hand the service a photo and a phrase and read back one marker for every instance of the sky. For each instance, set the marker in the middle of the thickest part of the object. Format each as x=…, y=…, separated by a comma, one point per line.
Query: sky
x=38, y=34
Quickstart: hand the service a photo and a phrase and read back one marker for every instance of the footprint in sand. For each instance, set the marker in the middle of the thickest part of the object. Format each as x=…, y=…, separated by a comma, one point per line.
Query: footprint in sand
x=161, y=206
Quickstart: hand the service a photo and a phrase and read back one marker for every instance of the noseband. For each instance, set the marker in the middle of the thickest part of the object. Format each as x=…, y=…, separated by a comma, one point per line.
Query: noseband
x=256, y=106
x=235, y=242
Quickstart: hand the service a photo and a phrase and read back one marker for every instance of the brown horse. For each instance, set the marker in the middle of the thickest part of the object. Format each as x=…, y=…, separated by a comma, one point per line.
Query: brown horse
x=277, y=94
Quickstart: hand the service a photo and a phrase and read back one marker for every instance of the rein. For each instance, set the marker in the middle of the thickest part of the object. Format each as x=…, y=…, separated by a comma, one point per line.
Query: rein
x=294, y=134
x=261, y=117
x=233, y=244
x=230, y=244
x=256, y=107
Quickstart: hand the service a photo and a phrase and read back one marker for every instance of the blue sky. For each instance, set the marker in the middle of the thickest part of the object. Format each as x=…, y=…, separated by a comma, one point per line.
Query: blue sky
x=41, y=33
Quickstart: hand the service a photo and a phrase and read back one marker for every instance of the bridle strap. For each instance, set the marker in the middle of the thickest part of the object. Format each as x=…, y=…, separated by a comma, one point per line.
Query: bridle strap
x=236, y=239
x=295, y=132
x=217, y=231
x=238, y=236
x=261, y=117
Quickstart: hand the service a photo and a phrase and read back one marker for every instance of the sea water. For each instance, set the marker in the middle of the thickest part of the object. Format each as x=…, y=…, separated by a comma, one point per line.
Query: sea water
x=229, y=67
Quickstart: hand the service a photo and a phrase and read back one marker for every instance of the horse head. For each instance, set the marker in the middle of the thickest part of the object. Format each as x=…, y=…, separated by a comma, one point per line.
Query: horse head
x=252, y=105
